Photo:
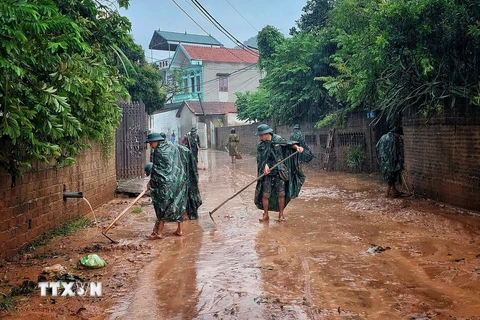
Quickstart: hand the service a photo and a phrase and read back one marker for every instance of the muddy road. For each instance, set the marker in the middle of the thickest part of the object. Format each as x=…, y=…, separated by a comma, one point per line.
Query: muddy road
x=321, y=263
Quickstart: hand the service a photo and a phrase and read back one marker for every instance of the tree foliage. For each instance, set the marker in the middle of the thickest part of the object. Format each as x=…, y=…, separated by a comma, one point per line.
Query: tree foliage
x=59, y=78
x=315, y=15
x=295, y=94
x=143, y=82
x=268, y=40
x=253, y=106
x=387, y=56
x=396, y=55
x=293, y=66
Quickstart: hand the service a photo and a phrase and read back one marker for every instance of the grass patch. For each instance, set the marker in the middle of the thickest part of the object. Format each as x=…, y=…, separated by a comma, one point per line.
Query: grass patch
x=7, y=303
x=77, y=223
x=356, y=158
x=136, y=209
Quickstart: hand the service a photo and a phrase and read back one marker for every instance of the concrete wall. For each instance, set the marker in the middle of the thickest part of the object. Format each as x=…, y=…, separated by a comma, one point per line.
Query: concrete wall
x=356, y=133
x=35, y=204
x=167, y=122
x=442, y=157
x=247, y=79
x=187, y=121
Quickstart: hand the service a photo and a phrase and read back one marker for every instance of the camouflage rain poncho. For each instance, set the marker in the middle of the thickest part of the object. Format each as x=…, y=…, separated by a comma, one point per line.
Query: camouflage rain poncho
x=193, y=143
x=389, y=157
x=280, y=148
x=174, y=183
x=306, y=156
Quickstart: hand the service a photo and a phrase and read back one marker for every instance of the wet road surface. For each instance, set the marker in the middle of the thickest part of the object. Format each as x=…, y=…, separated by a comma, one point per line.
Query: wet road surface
x=316, y=264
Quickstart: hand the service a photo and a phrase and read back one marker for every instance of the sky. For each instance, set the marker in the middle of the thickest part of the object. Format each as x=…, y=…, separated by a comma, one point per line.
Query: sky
x=242, y=18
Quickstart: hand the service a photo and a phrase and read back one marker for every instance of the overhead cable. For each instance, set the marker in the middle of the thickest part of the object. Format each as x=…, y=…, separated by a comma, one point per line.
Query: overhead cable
x=222, y=29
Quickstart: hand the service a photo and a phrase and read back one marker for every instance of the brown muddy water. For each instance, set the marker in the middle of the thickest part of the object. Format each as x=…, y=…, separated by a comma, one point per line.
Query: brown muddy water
x=319, y=264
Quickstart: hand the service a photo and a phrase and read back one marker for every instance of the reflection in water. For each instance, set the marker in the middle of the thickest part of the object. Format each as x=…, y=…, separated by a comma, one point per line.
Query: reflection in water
x=228, y=277
x=314, y=265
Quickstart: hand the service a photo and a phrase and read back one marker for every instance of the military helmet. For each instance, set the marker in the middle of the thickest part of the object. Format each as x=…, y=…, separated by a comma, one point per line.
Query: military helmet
x=154, y=136
x=263, y=129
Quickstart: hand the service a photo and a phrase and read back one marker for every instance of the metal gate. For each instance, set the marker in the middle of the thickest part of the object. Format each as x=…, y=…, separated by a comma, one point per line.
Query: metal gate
x=130, y=145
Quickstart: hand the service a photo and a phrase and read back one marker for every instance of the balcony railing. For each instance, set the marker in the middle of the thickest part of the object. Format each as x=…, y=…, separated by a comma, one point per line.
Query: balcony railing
x=164, y=64
x=187, y=96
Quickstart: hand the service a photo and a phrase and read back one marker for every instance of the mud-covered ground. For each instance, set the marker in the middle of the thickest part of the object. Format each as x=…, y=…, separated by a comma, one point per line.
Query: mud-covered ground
x=319, y=264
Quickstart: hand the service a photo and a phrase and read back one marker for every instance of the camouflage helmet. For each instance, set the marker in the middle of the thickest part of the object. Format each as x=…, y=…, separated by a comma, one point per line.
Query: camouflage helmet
x=154, y=136
x=263, y=129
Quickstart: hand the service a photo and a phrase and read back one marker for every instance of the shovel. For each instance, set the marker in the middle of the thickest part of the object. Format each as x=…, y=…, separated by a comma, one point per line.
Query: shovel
x=121, y=214
x=248, y=185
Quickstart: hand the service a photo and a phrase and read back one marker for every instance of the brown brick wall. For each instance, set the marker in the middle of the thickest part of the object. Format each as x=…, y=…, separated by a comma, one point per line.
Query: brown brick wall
x=35, y=204
x=442, y=157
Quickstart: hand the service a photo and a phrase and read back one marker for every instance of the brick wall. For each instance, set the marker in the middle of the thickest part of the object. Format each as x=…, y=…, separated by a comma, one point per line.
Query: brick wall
x=442, y=157
x=35, y=204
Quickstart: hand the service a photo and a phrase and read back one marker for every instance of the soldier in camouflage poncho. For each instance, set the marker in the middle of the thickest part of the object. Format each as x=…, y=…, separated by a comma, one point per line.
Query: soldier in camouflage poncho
x=275, y=190
x=306, y=156
x=173, y=184
x=390, y=159
x=193, y=143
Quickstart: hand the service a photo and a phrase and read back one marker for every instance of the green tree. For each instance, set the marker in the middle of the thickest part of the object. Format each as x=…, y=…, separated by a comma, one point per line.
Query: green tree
x=143, y=82
x=295, y=67
x=394, y=55
x=295, y=94
x=268, y=40
x=315, y=15
x=253, y=106
x=57, y=88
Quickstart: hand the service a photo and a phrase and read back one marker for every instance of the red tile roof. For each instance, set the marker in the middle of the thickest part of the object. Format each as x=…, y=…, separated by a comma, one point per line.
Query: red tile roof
x=220, y=54
x=210, y=108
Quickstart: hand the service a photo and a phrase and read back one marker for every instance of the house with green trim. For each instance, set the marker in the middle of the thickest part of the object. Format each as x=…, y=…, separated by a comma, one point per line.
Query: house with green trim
x=209, y=73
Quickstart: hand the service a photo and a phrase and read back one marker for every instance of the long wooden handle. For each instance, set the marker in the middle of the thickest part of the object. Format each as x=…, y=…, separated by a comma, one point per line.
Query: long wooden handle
x=248, y=185
x=124, y=211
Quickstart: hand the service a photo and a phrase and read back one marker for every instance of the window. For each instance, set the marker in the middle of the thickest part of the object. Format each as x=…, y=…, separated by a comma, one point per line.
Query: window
x=185, y=85
x=192, y=82
x=198, y=83
x=223, y=84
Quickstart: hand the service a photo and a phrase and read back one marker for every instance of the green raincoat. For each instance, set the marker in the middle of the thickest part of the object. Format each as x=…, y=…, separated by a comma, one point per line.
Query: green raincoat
x=193, y=143
x=389, y=157
x=279, y=149
x=174, y=183
x=306, y=156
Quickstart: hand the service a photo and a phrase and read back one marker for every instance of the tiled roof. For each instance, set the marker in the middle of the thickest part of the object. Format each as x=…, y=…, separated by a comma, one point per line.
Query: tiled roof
x=220, y=54
x=210, y=108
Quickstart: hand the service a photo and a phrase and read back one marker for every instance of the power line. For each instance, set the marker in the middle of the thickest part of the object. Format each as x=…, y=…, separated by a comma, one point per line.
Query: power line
x=249, y=80
x=222, y=29
x=241, y=15
x=201, y=26
x=190, y=17
x=234, y=73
